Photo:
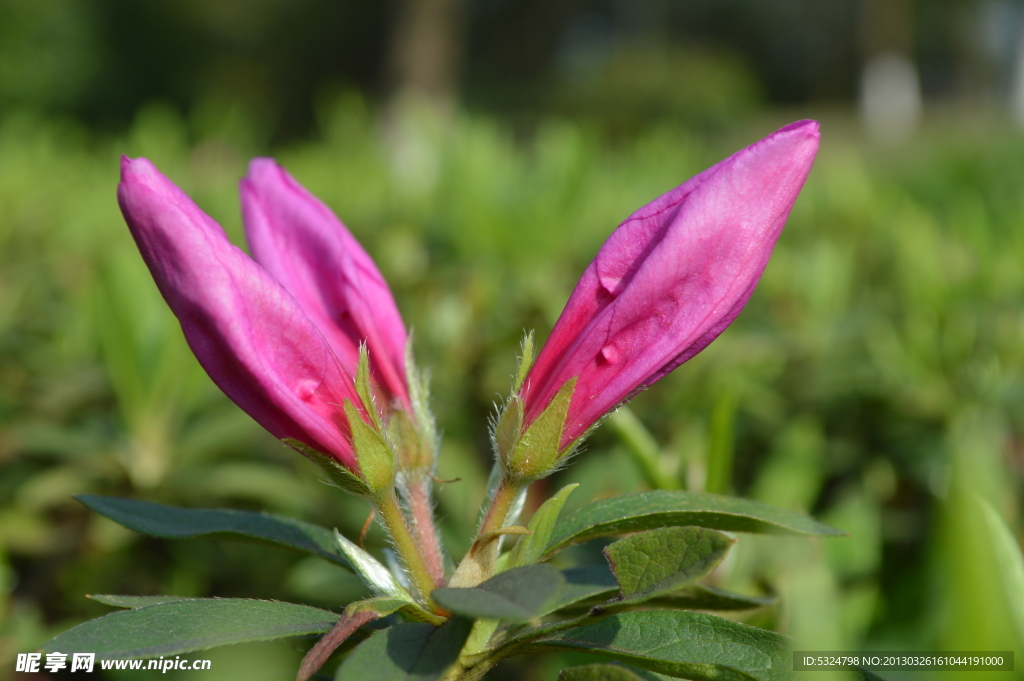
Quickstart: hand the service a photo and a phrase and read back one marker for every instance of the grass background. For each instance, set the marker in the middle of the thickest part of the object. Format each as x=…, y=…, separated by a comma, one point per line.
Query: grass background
x=875, y=379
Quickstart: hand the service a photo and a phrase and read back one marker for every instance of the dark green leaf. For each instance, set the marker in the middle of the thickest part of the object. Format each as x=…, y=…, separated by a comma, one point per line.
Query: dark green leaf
x=406, y=652
x=703, y=597
x=594, y=584
x=658, y=562
x=517, y=595
x=119, y=601
x=585, y=583
x=688, y=645
x=188, y=625
x=661, y=508
x=609, y=672
x=172, y=522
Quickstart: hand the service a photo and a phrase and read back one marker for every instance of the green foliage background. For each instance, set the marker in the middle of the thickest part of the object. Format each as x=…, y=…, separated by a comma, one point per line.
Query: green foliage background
x=875, y=380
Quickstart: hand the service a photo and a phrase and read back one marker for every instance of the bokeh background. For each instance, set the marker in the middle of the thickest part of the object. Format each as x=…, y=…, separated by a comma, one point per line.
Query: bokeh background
x=482, y=150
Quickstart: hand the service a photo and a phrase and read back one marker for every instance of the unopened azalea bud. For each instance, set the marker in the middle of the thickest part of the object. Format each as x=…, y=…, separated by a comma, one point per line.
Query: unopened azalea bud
x=281, y=338
x=305, y=247
x=668, y=281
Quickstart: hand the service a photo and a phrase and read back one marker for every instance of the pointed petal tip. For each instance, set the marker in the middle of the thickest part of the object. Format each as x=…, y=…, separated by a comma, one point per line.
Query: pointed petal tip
x=807, y=125
x=138, y=169
x=261, y=167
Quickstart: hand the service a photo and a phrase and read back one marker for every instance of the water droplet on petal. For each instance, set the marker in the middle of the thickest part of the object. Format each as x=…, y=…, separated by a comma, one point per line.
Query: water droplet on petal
x=305, y=388
x=608, y=355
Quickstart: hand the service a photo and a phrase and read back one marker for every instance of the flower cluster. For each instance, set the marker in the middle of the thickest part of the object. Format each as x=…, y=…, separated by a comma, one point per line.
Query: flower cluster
x=306, y=338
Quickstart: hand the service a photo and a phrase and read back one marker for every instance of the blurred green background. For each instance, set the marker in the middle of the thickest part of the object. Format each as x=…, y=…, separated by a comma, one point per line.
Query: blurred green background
x=482, y=150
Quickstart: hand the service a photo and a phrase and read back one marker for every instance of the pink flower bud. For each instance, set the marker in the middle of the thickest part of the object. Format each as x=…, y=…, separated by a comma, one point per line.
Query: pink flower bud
x=280, y=348
x=670, y=279
x=302, y=244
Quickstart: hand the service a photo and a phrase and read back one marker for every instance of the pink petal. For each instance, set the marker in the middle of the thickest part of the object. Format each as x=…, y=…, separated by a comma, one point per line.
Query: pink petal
x=307, y=248
x=671, y=278
x=247, y=331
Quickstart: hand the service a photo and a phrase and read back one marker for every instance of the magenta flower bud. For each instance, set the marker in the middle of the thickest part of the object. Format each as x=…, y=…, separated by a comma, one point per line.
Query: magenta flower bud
x=669, y=280
x=269, y=348
x=305, y=247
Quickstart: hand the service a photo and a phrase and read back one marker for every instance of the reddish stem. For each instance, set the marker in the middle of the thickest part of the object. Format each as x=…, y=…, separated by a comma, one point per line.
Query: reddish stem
x=423, y=528
x=319, y=653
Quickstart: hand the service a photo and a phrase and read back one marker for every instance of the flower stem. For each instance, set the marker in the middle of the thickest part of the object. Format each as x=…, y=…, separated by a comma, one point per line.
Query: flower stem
x=394, y=522
x=424, y=530
x=501, y=503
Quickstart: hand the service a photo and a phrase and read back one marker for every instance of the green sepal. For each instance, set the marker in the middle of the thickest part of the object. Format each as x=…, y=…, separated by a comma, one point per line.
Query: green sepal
x=375, y=458
x=337, y=475
x=413, y=453
x=505, y=434
x=662, y=561
x=419, y=397
x=364, y=388
x=525, y=361
x=531, y=547
x=537, y=453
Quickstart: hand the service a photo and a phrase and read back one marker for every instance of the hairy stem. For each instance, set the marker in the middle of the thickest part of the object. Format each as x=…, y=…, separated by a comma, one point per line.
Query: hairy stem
x=394, y=522
x=504, y=497
x=421, y=512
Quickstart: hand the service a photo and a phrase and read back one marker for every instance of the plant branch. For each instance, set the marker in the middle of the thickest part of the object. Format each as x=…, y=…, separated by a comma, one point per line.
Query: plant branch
x=394, y=522
x=421, y=512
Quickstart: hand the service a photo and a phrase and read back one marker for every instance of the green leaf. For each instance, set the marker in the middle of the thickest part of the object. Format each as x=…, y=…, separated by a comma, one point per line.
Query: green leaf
x=406, y=652
x=516, y=595
x=704, y=597
x=592, y=585
x=372, y=571
x=530, y=547
x=658, y=562
x=383, y=606
x=356, y=615
x=187, y=625
x=585, y=583
x=683, y=644
x=660, y=508
x=172, y=522
x=119, y=601
x=609, y=672
x=1009, y=563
